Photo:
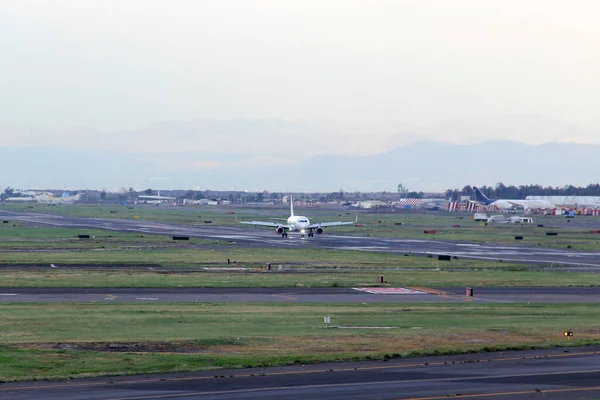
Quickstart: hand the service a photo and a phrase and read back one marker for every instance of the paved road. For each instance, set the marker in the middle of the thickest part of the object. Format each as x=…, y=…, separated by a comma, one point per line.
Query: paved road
x=547, y=374
x=282, y=295
x=267, y=238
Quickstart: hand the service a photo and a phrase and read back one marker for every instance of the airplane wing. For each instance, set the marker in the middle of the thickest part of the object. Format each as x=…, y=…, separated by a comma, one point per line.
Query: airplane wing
x=517, y=204
x=268, y=224
x=326, y=224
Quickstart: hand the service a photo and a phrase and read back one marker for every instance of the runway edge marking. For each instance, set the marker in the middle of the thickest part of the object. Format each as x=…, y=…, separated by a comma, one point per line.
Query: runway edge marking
x=389, y=290
x=496, y=394
x=429, y=290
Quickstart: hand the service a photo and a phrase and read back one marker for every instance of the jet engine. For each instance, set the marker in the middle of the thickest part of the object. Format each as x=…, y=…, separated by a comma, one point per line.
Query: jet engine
x=319, y=230
x=279, y=230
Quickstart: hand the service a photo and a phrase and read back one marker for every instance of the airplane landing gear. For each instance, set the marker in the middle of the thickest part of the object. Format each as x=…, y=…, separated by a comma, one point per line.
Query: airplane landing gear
x=284, y=234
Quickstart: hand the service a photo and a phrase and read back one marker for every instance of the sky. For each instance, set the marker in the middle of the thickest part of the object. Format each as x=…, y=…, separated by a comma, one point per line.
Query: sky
x=75, y=72
x=121, y=64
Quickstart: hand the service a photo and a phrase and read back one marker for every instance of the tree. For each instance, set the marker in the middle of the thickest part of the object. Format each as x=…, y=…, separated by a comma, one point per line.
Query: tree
x=8, y=192
x=402, y=191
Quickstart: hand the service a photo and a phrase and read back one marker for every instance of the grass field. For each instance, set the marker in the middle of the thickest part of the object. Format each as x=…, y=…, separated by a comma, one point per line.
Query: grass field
x=142, y=254
x=179, y=337
x=345, y=278
x=22, y=237
x=253, y=257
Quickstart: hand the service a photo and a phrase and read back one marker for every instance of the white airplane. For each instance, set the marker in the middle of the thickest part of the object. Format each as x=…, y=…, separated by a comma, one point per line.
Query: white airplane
x=21, y=199
x=65, y=198
x=298, y=223
x=506, y=205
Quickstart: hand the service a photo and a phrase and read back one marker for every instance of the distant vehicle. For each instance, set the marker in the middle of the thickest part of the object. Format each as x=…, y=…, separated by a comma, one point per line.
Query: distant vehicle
x=520, y=220
x=507, y=205
x=496, y=218
x=298, y=223
x=480, y=217
x=512, y=220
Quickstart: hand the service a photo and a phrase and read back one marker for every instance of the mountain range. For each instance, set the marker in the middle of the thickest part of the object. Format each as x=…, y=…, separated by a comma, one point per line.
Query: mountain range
x=425, y=166
x=281, y=156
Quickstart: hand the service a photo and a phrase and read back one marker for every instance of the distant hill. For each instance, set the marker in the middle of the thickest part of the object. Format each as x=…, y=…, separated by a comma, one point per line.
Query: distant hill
x=427, y=166
x=432, y=166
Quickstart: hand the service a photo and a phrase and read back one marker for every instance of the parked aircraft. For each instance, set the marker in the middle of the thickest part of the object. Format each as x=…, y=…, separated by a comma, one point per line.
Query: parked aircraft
x=46, y=198
x=65, y=198
x=507, y=205
x=21, y=199
x=298, y=223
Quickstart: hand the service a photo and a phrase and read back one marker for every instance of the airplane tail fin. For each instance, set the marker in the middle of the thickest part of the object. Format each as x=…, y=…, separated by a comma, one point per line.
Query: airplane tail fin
x=291, y=206
x=482, y=198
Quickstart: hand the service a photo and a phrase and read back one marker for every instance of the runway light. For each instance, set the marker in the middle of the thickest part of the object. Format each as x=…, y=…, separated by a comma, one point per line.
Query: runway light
x=568, y=333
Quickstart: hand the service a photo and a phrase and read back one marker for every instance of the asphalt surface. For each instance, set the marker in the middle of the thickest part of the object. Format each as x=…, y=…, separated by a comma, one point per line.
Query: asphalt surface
x=572, y=373
x=259, y=237
x=313, y=295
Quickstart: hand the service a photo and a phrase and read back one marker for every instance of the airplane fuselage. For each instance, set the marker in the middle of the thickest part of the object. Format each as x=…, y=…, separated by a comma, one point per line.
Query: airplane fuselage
x=298, y=223
x=526, y=204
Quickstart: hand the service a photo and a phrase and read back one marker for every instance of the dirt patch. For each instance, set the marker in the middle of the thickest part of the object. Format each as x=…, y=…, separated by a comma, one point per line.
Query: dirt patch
x=124, y=347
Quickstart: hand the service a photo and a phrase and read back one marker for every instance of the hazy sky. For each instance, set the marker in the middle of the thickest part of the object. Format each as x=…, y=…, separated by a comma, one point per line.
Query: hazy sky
x=122, y=64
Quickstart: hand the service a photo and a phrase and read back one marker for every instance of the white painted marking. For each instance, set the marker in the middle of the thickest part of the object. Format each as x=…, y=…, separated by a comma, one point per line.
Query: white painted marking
x=389, y=290
x=224, y=269
x=8, y=294
x=364, y=248
x=146, y=298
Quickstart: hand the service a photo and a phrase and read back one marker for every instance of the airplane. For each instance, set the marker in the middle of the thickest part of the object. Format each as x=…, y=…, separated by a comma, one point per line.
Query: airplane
x=20, y=199
x=298, y=223
x=512, y=204
x=65, y=198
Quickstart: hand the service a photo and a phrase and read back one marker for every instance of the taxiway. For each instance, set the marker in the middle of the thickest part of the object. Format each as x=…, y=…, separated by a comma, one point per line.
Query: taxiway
x=301, y=295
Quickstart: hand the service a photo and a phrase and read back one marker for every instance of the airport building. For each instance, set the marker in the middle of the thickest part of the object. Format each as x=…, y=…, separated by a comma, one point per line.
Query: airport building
x=569, y=201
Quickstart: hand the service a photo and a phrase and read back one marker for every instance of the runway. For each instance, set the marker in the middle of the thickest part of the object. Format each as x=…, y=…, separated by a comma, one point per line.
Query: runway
x=299, y=295
x=267, y=238
x=572, y=373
